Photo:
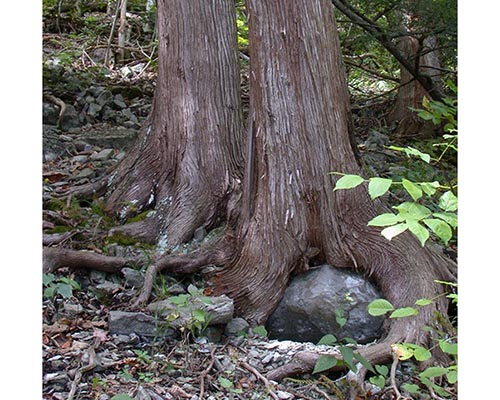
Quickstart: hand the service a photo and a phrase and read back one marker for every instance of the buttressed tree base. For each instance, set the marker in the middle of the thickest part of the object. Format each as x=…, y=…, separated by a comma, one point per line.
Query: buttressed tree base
x=267, y=184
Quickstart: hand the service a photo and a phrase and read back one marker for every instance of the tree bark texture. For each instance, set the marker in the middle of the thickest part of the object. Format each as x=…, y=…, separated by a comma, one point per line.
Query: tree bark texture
x=300, y=134
x=425, y=58
x=187, y=161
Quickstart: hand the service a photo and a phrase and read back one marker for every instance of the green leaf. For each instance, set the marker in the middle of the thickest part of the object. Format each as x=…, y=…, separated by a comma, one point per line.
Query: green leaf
x=440, y=228
x=410, y=151
x=433, y=372
x=180, y=300
x=378, y=187
x=378, y=380
x=364, y=362
x=260, y=330
x=411, y=210
x=324, y=363
x=403, y=312
x=448, y=201
x=421, y=354
x=192, y=290
x=429, y=188
x=413, y=190
x=449, y=218
x=65, y=290
x=423, y=302
x=452, y=376
x=225, y=383
x=348, y=356
x=49, y=292
x=411, y=388
x=48, y=279
x=382, y=369
x=328, y=340
x=393, y=231
x=379, y=307
x=348, y=182
x=449, y=348
x=403, y=351
x=121, y=397
x=199, y=315
x=419, y=231
x=385, y=219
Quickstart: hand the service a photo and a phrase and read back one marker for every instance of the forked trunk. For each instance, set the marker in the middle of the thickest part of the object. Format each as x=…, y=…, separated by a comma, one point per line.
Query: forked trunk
x=186, y=162
x=300, y=134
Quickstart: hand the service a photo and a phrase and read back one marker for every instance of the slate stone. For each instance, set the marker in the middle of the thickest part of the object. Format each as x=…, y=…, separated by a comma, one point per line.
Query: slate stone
x=307, y=310
x=103, y=155
x=127, y=323
x=70, y=118
x=236, y=326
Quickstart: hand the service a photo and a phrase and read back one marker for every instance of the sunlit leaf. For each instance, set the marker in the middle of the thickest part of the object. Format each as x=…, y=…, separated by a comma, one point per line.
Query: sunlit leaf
x=421, y=354
x=393, y=231
x=402, y=351
x=379, y=307
x=448, y=202
x=449, y=348
x=411, y=210
x=440, y=228
x=413, y=190
x=348, y=182
x=378, y=187
x=449, y=218
x=419, y=231
x=403, y=312
x=429, y=188
x=423, y=302
x=385, y=219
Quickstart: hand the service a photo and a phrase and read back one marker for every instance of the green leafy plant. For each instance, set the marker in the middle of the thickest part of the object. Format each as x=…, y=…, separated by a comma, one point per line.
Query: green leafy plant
x=197, y=319
x=228, y=385
x=63, y=286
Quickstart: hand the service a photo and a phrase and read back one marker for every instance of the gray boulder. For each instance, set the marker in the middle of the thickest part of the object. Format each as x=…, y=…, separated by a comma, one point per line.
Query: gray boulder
x=315, y=302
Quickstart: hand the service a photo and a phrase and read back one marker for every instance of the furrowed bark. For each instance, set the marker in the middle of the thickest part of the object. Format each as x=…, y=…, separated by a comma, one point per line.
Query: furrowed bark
x=187, y=160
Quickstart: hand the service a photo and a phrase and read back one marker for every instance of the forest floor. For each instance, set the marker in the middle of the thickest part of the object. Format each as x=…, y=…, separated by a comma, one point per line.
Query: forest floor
x=81, y=358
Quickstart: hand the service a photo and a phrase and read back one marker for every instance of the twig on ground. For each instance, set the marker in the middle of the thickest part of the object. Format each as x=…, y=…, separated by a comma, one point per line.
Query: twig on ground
x=205, y=373
x=261, y=377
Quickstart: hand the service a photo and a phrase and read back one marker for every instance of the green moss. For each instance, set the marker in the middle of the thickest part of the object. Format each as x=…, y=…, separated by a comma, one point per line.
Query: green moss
x=58, y=229
x=55, y=205
x=139, y=217
x=121, y=239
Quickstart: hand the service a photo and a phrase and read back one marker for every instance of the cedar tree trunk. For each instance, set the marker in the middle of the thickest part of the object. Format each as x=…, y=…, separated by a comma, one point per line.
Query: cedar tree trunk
x=185, y=164
x=424, y=55
x=290, y=213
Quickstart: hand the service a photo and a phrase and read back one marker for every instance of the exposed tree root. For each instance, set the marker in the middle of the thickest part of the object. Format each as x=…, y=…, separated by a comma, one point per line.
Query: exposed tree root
x=214, y=251
x=55, y=258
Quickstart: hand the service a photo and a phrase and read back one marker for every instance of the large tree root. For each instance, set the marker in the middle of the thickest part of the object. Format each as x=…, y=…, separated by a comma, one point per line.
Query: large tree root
x=55, y=258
